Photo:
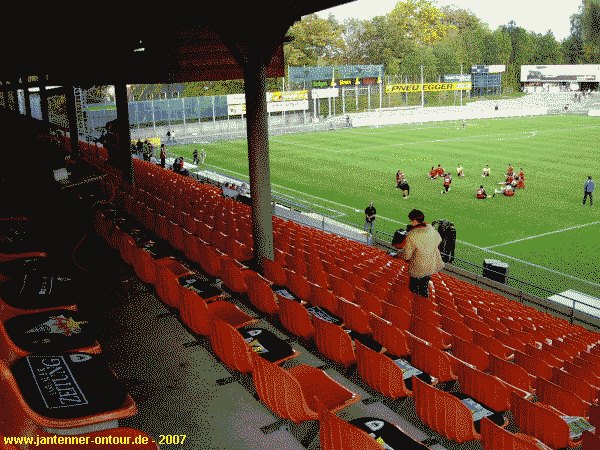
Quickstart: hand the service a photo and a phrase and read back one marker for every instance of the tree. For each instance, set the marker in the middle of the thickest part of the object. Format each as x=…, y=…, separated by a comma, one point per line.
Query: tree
x=548, y=49
x=314, y=41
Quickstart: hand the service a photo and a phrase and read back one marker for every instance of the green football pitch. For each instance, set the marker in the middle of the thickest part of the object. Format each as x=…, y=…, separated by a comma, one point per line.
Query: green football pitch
x=544, y=233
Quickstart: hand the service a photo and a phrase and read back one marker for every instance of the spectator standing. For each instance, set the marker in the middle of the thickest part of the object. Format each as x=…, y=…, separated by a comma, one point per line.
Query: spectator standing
x=163, y=155
x=169, y=136
x=370, y=216
x=202, y=157
x=195, y=154
x=421, y=250
x=588, y=188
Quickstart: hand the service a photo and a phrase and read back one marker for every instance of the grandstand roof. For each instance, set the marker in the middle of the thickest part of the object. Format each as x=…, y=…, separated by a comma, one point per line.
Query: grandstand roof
x=200, y=43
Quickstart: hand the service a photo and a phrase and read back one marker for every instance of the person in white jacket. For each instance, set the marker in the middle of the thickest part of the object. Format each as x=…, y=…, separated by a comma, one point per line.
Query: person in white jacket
x=421, y=250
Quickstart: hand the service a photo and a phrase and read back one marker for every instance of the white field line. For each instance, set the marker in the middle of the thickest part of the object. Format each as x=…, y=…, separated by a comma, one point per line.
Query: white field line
x=591, y=283
x=543, y=234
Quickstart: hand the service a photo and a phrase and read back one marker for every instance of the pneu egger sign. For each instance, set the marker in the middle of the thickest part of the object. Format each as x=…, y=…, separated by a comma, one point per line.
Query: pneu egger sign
x=428, y=87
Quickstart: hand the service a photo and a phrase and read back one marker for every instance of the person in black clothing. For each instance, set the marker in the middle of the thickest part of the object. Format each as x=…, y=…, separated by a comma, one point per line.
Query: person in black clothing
x=195, y=155
x=370, y=216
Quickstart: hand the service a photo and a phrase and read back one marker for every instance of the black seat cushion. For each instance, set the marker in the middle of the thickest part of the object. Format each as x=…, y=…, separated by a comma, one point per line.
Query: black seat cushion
x=266, y=344
x=68, y=385
x=51, y=331
x=40, y=290
x=386, y=434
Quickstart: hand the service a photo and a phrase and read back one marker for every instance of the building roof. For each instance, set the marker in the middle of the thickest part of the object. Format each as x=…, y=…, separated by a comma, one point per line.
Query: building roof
x=147, y=44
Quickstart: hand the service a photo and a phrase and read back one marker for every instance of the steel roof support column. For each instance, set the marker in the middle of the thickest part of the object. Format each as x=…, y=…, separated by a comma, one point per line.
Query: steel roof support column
x=26, y=98
x=72, y=116
x=123, y=156
x=258, y=158
x=44, y=100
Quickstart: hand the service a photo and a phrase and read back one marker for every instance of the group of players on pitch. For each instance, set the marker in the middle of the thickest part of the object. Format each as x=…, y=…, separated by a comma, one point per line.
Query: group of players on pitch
x=512, y=182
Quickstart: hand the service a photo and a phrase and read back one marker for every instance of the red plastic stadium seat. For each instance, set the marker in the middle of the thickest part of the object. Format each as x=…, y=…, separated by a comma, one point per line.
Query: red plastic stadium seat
x=273, y=271
x=336, y=434
x=397, y=315
x=232, y=349
x=260, y=293
x=295, y=318
x=299, y=393
x=533, y=365
x=541, y=422
x=561, y=399
x=432, y=334
x=579, y=386
x=512, y=374
x=494, y=437
x=197, y=314
x=380, y=372
x=484, y=388
x=354, y=317
x=443, y=413
x=333, y=342
x=430, y=360
x=389, y=336
x=470, y=353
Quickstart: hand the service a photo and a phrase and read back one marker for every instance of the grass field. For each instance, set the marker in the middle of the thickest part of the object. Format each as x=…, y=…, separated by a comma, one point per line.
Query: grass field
x=544, y=233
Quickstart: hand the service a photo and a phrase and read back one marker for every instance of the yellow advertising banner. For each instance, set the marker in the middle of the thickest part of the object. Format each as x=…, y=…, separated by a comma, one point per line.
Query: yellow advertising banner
x=287, y=96
x=428, y=87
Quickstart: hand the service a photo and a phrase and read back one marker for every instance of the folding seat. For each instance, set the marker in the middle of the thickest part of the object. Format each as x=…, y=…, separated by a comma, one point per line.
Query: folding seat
x=334, y=342
x=369, y=302
x=450, y=313
x=380, y=372
x=591, y=366
x=67, y=392
x=168, y=288
x=457, y=329
x=541, y=422
x=341, y=288
x=512, y=374
x=435, y=336
x=389, y=336
x=492, y=346
x=296, y=283
x=426, y=312
x=543, y=355
x=176, y=236
x=354, y=317
x=590, y=441
x=509, y=340
x=443, y=413
x=560, y=398
x=582, y=373
x=235, y=350
x=274, y=272
x=233, y=274
x=397, y=315
x=485, y=388
x=580, y=387
x=197, y=313
x=470, y=353
x=335, y=434
x=299, y=393
x=430, y=360
x=295, y=318
x=260, y=293
x=478, y=325
x=211, y=262
x=494, y=437
x=533, y=365
x=324, y=298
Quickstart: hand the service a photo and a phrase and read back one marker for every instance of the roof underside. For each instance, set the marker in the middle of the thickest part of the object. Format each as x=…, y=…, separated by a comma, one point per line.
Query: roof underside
x=178, y=45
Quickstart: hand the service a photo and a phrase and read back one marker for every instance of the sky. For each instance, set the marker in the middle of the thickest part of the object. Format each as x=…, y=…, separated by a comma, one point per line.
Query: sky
x=538, y=16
